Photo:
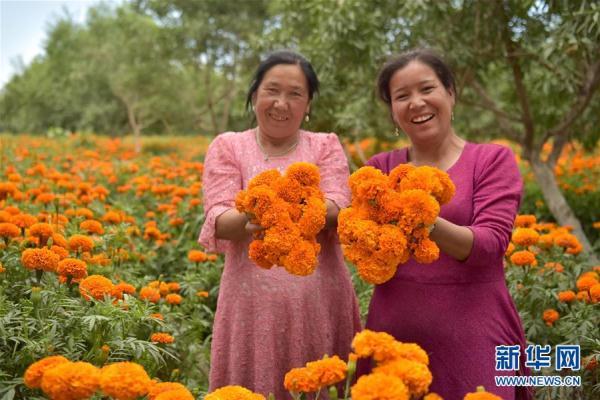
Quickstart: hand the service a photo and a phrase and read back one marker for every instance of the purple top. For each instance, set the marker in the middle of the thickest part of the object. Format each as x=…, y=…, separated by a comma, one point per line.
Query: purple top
x=269, y=321
x=458, y=311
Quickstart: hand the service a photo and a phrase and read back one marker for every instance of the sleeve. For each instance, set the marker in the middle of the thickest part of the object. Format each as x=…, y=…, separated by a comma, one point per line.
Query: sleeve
x=497, y=191
x=334, y=170
x=221, y=181
x=374, y=162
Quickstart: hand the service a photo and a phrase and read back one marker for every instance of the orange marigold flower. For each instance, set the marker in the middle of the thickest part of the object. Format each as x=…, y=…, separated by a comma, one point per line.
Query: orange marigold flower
x=121, y=288
x=566, y=296
x=41, y=259
x=583, y=296
x=426, y=251
x=45, y=198
x=211, y=257
x=481, y=394
x=397, y=174
x=35, y=372
x=525, y=221
x=379, y=387
x=81, y=243
x=163, y=387
x=92, y=226
x=379, y=345
x=367, y=183
x=431, y=180
x=233, y=393
x=525, y=237
x=150, y=294
x=416, y=376
x=71, y=381
x=180, y=394
x=305, y=173
x=42, y=231
x=411, y=351
x=550, y=316
x=8, y=230
x=72, y=267
x=302, y=259
x=95, y=286
x=585, y=282
x=301, y=380
x=59, y=240
x=60, y=251
x=523, y=257
x=124, y=380
x=174, y=286
x=432, y=396
x=173, y=298
x=23, y=220
x=112, y=217
x=202, y=293
x=157, y=316
x=162, y=338
x=595, y=293
x=566, y=240
x=328, y=371
x=558, y=267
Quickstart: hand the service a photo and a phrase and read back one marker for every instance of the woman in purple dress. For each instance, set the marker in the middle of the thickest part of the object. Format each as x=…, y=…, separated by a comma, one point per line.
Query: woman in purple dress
x=458, y=308
x=268, y=321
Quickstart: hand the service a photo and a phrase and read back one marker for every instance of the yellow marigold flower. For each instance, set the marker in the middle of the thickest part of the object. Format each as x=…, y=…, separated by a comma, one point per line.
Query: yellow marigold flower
x=150, y=294
x=8, y=230
x=35, y=372
x=162, y=338
x=164, y=387
x=379, y=387
x=197, y=256
x=328, y=371
x=42, y=231
x=81, y=243
x=416, y=376
x=510, y=249
x=72, y=267
x=173, y=298
x=92, y=226
x=525, y=221
x=71, y=381
x=41, y=259
x=202, y=293
x=523, y=257
x=95, y=286
x=379, y=345
x=550, y=316
x=124, y=380
x=481, y=394
x=233, y=393
x=566, y=296
x=525, y=237
x=301, y=380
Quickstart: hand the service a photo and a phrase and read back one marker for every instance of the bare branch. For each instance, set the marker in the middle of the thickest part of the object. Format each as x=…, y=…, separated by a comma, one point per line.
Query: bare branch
x=557, y=147
x=581, y=102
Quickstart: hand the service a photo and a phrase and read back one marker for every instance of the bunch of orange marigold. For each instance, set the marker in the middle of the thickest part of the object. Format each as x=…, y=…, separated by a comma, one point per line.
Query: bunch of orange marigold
x=62, y=379
x=389, y=219
x=291, y=209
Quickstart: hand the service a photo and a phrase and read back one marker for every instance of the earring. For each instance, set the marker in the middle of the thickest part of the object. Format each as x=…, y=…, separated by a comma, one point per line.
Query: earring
x=452, y=116
x=396, y=132
x=307, y=118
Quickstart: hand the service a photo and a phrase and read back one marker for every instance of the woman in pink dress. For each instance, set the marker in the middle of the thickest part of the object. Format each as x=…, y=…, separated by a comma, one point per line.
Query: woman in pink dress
x=269, y=321
x=457, y=308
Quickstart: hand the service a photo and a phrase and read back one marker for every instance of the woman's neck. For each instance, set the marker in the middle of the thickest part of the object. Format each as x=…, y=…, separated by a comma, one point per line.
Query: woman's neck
x=442, y=154
x=274, y=147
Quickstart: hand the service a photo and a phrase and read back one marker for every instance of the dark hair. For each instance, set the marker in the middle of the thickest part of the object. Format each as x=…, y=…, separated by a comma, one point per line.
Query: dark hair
x=427, y=57
x=283, y=57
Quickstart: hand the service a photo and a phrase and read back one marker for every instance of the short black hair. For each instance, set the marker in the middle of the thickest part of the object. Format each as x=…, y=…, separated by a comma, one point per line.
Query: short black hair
x=283, y=57
x=427, y=57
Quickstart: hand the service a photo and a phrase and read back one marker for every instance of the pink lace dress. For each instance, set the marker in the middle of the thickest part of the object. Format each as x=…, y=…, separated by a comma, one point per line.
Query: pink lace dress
x=268, y=321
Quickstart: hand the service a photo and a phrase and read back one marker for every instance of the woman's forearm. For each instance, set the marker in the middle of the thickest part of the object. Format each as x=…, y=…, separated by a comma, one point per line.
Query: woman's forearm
x=452, y=239
x=231, y=225
x=332, y=214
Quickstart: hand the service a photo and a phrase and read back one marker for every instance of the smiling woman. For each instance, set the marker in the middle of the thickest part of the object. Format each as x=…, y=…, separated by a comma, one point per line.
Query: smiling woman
x=269, y=321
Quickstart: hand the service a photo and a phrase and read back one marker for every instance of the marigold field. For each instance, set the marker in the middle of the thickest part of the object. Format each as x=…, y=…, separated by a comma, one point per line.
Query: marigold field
x=99, y=265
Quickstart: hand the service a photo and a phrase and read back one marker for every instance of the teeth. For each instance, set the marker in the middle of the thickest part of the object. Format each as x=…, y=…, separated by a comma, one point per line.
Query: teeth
x=278, y=117
x=422, y=118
